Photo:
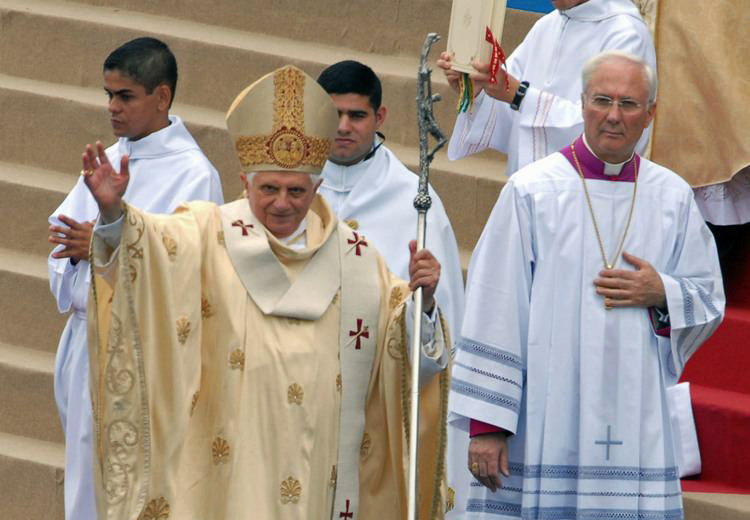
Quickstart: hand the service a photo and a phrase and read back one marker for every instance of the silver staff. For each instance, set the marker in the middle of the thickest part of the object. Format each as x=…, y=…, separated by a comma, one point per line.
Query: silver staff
x=422, y=202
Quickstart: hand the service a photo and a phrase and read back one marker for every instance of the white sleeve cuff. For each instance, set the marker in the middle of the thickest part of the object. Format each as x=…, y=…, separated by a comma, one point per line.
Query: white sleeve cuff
x=106, y=241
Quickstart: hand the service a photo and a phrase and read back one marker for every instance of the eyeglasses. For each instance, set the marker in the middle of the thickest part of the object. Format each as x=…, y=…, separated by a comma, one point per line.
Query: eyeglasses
x=628, y=106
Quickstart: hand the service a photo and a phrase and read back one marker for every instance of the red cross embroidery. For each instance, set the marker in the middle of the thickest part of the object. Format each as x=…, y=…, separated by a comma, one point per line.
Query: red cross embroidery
x=238, y=223
x=361, y=332
x=357, y=242
x=347, y=513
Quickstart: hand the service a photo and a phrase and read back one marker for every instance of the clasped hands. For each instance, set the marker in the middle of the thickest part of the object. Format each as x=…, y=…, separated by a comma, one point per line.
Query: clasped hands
x=107, y=187
x=75, y=239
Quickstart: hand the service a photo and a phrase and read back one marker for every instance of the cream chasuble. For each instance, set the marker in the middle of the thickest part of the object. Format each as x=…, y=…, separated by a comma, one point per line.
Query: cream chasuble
x=236, y=378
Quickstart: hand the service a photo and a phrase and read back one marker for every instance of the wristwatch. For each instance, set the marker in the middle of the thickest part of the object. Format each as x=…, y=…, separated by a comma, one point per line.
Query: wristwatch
x=520, y=93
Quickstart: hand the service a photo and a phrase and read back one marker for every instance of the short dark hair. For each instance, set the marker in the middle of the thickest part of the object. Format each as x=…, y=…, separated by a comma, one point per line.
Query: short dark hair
x=147, y=61
x=352, y=77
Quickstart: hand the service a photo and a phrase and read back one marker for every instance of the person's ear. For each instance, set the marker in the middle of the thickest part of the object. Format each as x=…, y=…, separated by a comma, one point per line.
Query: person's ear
x=164, y=94
x=380, y=114
x=651, y=111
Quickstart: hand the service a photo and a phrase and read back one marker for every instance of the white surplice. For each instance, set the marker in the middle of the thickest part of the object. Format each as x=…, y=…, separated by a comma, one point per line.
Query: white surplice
x=379, y=195
x=550, y=58
x=166, y=168
x=582, y=389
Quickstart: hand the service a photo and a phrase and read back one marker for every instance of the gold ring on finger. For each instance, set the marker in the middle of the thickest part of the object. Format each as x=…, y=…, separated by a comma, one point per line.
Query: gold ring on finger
x=475, y=468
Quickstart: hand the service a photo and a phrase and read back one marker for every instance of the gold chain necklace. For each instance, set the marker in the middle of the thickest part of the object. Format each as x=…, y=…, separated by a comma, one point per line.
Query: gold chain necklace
x=607, y=264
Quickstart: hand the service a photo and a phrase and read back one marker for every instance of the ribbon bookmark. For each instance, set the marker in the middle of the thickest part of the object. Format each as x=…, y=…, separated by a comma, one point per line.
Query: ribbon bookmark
x=466, y=85
x=465, y=94
x=498, y=58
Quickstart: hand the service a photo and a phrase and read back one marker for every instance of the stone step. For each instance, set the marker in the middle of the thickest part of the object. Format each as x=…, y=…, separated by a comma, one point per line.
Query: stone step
x=716, y=506
x=74, y=116
x=26, y=385
x=30, y=316
x=468, y=187
x=33, y=194
x=31, y=478
x=208, y=55
x=391, y=27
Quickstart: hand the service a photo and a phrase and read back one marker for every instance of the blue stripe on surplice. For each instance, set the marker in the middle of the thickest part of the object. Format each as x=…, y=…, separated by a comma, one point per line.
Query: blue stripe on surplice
x=538, y=6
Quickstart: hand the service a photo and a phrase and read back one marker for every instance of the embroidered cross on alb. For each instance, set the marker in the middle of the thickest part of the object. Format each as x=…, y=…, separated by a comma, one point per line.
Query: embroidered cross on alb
x=359, y=333
x=244, y=227
x=609, y=442
x=357, y=242
x=347, y=513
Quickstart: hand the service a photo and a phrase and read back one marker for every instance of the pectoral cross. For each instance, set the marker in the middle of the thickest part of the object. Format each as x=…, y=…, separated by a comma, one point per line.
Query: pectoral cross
x=244, y=227
x=357, y=242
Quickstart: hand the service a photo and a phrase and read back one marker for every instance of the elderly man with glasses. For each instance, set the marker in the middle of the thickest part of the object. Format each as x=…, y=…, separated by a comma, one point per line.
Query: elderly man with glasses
x=592, y=284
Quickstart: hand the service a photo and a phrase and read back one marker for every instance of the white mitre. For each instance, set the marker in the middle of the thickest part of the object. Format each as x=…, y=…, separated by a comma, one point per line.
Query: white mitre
x=283, y=121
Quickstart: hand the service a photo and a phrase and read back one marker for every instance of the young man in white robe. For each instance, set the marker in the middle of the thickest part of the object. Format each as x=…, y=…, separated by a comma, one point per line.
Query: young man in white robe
x=540, y=112
x=370, y=189
x=251, y=360
x=167, y=167
x=593, y=282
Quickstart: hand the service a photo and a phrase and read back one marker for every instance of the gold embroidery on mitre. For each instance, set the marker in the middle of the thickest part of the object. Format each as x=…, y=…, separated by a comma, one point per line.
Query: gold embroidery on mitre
x=237, y=359
x=288, y=98
x=295, y=394
x=364, y=448
x=170, y=244
x=220, y=238
x=332, y=482
x=206, y=309
x=352, y=223
x=183, y=330
x=450, y=500
x=338, y=383
x=287, y=146
x=291, y=490
x=156, y=509
x=220, y=451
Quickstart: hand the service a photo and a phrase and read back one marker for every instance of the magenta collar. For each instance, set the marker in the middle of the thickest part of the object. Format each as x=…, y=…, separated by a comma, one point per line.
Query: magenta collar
x=593, y=167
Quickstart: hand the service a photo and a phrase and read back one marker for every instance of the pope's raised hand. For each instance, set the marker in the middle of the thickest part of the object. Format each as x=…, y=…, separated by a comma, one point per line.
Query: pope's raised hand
x=104, y=183
x=424, y=272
